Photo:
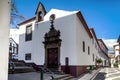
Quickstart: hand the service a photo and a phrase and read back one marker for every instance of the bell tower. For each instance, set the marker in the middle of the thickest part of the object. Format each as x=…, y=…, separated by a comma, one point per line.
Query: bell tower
x=40, y=12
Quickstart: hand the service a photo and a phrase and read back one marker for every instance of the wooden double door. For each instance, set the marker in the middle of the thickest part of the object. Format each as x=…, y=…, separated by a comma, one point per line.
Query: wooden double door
x=52, y=58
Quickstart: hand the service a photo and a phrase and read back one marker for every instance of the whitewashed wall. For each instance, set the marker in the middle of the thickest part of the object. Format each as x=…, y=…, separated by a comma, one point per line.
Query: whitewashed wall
x=116, y=49
x=14, y=34
x=112, y=62
x=67, y=35
x=83, y=58
x=36, y=46
x=4, y=38
x=73, y=34
x=25, y=46
x=95, y=48
x=104, y=54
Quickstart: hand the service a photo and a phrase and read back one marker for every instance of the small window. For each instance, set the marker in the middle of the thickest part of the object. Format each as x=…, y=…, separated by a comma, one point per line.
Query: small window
x=88, y=50
x=96, y=46
x=28, y=56
x=10, y=47
x=92, y=41
x=28, y=35
x=93, y=57
x=83, y=46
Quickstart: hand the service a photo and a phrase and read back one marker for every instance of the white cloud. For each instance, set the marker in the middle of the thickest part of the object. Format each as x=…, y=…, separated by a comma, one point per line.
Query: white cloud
x=109, y=43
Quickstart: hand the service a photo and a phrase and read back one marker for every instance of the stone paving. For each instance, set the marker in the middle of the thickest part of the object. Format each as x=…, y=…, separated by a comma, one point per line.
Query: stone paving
x=100, y=75
x=108, y=74
x=36, y=76
x=103, y=74
x=23, y=72
x=26, y=76
x=89, y=76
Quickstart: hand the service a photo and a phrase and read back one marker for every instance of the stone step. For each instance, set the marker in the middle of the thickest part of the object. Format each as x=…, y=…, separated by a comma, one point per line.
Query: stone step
x=20, y=67
x=57, y=75
x=67, y=78
x=19, y=64
x=51, y=70
x=73, y=79
x=57, y=72
x=23, y=69
x=61, y=76
x=64, y=77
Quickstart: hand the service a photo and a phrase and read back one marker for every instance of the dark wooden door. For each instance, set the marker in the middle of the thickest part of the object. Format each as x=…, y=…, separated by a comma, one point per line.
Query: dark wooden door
x=52, y=58
x=67, y=65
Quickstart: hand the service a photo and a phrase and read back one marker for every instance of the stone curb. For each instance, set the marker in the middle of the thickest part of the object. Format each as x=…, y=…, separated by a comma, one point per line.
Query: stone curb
x=94, y=75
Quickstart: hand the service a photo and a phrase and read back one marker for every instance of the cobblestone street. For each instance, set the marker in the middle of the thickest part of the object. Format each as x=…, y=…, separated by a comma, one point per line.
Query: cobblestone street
x=108, y=74
x=24, y=76
x=103, y=74
x=36, y=76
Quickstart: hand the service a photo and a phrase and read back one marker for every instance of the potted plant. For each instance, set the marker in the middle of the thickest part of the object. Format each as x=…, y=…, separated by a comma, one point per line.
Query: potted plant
x=116, y=64
x=99, y=61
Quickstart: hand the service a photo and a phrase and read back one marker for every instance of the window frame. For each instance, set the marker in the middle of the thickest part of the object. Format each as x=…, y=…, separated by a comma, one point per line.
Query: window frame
x=83, y=46
x=28, y=56
x=93, y=57
x=28, y=37
x=88, y=50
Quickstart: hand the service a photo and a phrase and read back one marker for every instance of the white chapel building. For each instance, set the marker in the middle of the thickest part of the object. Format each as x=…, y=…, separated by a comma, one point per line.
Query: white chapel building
x=59, y=40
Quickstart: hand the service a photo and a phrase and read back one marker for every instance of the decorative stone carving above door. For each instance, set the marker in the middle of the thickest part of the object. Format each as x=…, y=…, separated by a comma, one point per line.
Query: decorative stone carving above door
x=52, y=43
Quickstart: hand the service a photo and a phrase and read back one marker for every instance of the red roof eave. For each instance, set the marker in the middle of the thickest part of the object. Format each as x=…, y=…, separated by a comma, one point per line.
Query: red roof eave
x=26, y=21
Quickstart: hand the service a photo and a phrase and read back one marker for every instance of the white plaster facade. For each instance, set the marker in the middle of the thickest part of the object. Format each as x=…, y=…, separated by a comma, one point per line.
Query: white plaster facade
x=104, y=53
x=73, y=33
x=112, y=59
x=14, y=34
x=117, y=53
x=116, y=49
x=95, y=46
x=4, y=38
x=100, y=50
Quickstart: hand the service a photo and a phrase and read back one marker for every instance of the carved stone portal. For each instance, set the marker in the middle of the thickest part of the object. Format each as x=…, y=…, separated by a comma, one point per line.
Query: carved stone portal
x=52, y=43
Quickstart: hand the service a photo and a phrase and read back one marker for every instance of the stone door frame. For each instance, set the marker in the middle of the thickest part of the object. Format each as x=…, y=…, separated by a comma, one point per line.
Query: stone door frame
x=48, y=47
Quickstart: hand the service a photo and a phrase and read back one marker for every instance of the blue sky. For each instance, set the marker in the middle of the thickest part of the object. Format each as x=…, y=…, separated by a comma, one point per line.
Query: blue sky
x=102, y=15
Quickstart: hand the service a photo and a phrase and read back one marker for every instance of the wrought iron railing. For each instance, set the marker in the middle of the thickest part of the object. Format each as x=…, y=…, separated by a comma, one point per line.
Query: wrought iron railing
x=46, y=70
